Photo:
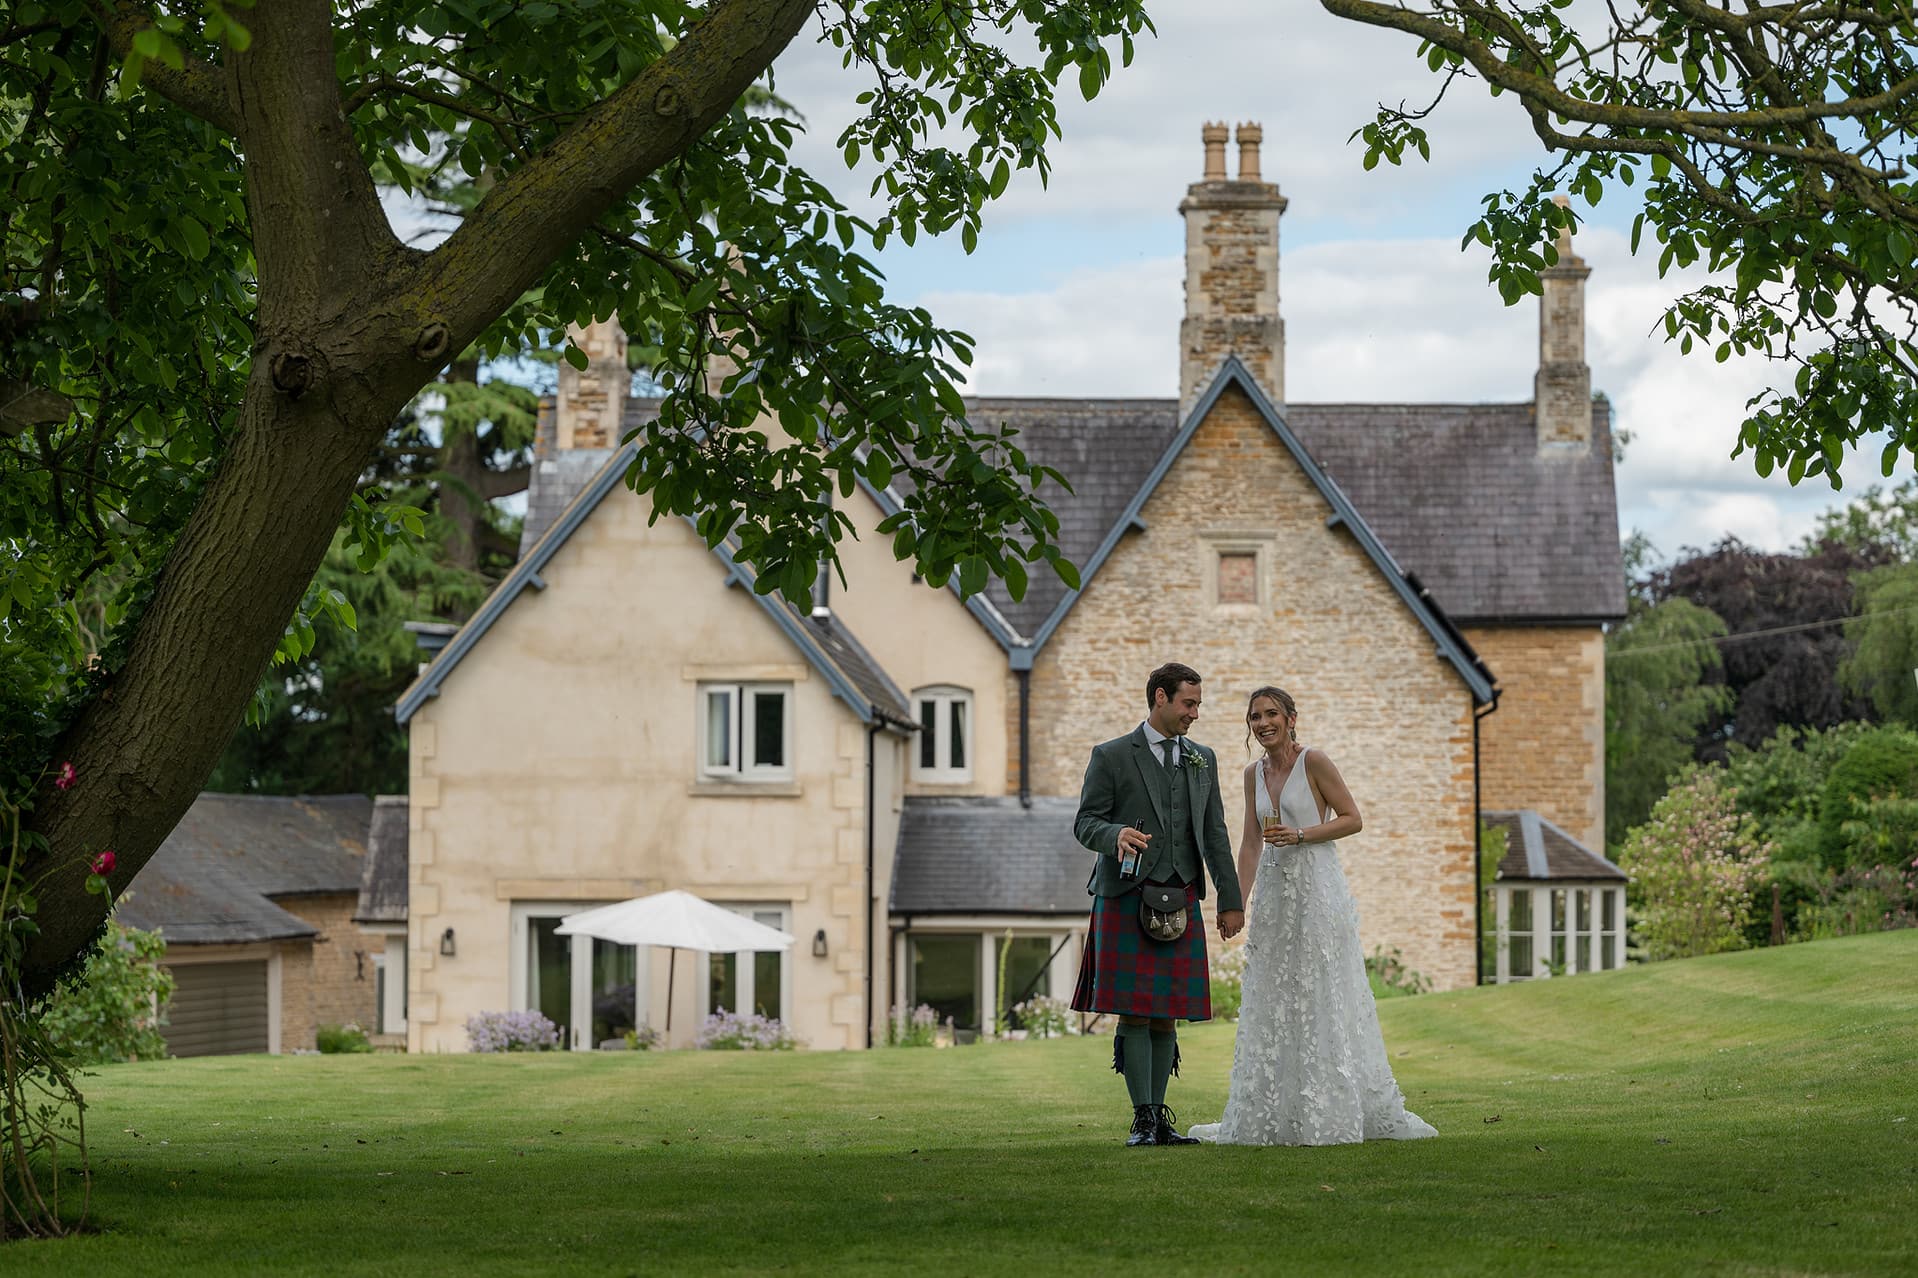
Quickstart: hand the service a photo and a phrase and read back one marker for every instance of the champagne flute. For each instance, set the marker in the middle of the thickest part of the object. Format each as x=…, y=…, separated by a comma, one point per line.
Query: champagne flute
x=1270, y=823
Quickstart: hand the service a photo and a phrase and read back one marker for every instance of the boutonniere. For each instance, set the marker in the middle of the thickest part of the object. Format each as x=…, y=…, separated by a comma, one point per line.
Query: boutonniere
x=1194, y=760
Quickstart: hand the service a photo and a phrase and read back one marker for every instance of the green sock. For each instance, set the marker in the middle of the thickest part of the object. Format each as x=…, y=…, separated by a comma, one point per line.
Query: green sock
x=1132, y=1055
x=1165, y=1058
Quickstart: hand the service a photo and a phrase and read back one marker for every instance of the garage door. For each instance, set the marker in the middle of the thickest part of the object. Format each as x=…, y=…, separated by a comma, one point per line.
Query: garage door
x=217, y=1009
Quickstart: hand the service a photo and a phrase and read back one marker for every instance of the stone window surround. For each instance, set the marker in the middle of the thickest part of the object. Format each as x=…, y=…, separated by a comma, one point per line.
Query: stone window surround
x=1214, y=545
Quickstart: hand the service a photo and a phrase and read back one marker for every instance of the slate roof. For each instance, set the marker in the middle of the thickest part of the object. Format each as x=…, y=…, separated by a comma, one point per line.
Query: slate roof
x=1464, y=498
x=1459, y=494
x=1536, y=850
x=989, y=856
x=846, y=652
x=214, y=878
x=383, y=880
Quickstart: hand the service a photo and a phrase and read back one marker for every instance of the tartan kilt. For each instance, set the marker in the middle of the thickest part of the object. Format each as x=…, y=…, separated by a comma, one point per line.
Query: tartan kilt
x=1122, y=971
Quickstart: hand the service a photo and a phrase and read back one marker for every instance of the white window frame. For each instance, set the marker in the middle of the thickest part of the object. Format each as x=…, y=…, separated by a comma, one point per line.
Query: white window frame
x=944, y=697
x=737, y=767
x=788, y=970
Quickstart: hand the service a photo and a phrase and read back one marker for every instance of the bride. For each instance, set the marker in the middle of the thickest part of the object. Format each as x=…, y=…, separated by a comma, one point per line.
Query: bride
x=1309, y=1066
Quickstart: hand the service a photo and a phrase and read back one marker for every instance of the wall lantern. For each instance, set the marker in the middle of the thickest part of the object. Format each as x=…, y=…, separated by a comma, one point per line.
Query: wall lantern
x=447, y=947
x=819, y=943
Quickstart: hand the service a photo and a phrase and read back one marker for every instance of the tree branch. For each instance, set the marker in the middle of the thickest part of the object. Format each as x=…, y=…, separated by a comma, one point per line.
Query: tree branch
x=197, y=88
x=508, y=241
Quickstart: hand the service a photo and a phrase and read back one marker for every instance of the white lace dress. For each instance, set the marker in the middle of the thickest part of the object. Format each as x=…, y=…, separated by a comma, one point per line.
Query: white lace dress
x=1309, y=1066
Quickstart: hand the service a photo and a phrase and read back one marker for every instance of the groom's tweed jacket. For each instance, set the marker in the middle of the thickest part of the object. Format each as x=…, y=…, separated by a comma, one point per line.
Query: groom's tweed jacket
x=1125, y=782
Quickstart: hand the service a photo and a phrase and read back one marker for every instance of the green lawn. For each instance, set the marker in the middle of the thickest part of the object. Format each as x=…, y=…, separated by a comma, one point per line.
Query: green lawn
x=1752, y=1113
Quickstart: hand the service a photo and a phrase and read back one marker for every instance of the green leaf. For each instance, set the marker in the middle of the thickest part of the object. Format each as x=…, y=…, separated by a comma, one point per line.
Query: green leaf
x=576, y=357
x=1089, y=79
x=878, y=469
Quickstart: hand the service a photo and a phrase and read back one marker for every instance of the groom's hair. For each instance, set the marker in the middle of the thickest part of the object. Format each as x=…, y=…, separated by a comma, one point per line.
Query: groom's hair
x=1168, y=676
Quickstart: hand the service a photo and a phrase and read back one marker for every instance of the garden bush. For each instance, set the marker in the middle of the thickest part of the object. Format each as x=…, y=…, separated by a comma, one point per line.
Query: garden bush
x=916, y=1028
x=1043, y=1016
x=511, y=1032
x=1695, y=864
x=1881, y=764
x=731, y=1032
x=1869, y=898
x=112, y=1010
x=341, y=1040
x=1390, y=977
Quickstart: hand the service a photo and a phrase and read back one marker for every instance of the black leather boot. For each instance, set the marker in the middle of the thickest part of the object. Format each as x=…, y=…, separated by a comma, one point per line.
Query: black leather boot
x=1164, y=1131
x=1145, y=1126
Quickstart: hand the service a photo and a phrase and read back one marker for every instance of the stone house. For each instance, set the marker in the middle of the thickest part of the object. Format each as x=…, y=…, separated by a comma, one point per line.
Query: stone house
x=255, y=897
x=891, y=775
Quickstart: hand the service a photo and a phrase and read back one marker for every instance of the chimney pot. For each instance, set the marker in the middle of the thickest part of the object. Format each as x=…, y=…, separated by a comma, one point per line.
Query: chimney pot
x=1215, y=136
x=1250, y=135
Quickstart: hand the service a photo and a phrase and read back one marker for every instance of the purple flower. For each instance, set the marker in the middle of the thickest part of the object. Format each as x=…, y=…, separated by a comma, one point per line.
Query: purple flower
x=64, y=779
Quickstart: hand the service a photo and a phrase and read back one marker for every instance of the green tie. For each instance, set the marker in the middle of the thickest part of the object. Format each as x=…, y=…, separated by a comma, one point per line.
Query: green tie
x=1167, y=743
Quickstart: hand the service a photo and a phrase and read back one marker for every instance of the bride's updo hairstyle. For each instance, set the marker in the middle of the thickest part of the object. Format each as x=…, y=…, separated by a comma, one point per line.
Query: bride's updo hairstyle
x=1279, y=695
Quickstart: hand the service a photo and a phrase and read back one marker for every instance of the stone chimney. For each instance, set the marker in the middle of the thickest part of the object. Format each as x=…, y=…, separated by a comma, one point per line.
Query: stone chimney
x=1231, y=271
x=591, y=404
x=1562, y=391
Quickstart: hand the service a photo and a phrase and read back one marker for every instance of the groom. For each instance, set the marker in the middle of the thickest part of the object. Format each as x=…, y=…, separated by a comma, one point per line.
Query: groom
x=1154, y=793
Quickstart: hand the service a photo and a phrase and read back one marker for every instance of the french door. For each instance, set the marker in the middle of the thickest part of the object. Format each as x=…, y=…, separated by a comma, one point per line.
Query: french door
x=594, y=990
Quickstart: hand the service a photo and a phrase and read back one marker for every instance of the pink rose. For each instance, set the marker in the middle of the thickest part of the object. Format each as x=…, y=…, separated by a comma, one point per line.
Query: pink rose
x=64, y=779
x=102, y=865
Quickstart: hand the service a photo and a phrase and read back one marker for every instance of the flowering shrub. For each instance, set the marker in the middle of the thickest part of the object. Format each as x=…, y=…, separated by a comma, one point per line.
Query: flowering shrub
x=1043, y=1016
x=727, y=1031
x=342, y=1040
x=511, y=1032
x=1228, y=978
x=917, y=1028
x=643, y=1039
x=105, y=1014
x=1694, y=864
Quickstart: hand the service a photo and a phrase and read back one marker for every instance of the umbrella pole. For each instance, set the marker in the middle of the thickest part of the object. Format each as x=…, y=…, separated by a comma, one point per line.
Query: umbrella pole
x=672, y=957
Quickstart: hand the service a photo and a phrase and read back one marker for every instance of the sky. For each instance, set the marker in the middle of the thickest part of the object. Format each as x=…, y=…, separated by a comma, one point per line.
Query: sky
x=1075, y=286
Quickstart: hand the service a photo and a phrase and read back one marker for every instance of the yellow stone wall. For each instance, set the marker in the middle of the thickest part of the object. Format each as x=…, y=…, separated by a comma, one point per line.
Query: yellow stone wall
x=1328, y=627
x=1544, y=747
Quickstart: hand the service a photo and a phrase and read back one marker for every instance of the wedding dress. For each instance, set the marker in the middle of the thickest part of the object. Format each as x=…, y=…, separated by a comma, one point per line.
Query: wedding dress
x=1309, y=1066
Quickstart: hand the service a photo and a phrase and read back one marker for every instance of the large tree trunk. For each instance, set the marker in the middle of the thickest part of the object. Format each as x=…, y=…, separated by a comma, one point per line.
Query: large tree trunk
x=351, y=325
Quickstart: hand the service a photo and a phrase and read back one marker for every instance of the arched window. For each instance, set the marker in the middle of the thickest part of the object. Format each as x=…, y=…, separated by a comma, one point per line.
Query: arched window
x=943, y=752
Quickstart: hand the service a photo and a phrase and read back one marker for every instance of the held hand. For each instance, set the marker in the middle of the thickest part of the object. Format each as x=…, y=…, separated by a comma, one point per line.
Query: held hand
x=1231, y=923
x=1131, y=840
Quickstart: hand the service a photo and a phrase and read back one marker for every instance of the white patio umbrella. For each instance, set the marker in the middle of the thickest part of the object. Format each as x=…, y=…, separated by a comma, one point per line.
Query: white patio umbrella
x=679, y=921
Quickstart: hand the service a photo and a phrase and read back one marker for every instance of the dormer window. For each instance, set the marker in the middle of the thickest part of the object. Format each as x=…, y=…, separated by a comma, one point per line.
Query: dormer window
x=944, y=748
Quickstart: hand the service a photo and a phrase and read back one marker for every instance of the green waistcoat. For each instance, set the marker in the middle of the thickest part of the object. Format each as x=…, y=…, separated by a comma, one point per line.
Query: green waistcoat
x=1175, y=851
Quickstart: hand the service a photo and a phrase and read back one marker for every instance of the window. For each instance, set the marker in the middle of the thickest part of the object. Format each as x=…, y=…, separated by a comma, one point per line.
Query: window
x=593, y=990
x=1238, y=577
x=1519, y=931
x=945, y=735
x=754, y=981
x=745, y=731
x=1608, y=913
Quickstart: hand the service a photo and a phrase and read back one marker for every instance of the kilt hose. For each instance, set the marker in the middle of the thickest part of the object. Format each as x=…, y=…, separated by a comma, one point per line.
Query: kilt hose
x=1124, y=972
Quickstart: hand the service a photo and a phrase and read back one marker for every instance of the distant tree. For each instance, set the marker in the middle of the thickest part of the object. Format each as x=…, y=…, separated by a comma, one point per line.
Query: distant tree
x=1659, y=696
x=1785, y=641
x=1877, y=519
x=1882, y=664
x=323, y=723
